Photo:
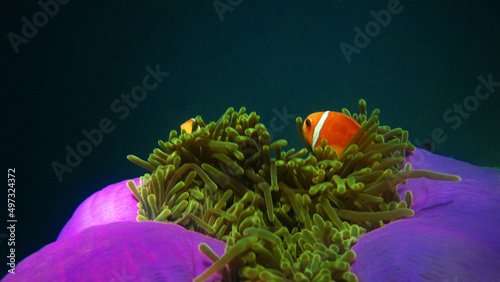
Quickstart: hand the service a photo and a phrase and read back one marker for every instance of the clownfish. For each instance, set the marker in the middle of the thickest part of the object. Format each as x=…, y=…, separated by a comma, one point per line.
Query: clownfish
x=188, y=125
x=335, y=127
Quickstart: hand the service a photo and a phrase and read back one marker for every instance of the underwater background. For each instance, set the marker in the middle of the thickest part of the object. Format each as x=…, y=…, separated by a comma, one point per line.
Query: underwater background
x=75, y=80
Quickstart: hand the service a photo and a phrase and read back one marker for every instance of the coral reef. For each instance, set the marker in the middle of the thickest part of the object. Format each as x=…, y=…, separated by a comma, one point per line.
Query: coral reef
x=283, y=214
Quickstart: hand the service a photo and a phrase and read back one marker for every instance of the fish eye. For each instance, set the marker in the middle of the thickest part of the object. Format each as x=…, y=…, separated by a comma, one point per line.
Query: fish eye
x=308, y=122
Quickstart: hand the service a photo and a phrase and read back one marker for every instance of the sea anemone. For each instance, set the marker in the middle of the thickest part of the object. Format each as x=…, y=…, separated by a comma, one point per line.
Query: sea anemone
x=277, y=215
x=282, y=215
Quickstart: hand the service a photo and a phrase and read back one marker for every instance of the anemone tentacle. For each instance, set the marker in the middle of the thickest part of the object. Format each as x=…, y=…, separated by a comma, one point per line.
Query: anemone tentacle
x=282, y=214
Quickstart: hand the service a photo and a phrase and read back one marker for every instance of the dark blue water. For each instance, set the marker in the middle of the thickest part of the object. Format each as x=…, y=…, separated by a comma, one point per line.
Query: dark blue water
x=84, y=69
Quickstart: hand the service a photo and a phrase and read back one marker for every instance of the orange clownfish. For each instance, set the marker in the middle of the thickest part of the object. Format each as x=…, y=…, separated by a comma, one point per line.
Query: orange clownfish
x=188, y=125
x=336, y=128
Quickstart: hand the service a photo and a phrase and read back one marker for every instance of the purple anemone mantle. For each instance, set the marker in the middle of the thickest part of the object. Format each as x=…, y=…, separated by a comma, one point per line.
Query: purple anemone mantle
x=453, y=236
